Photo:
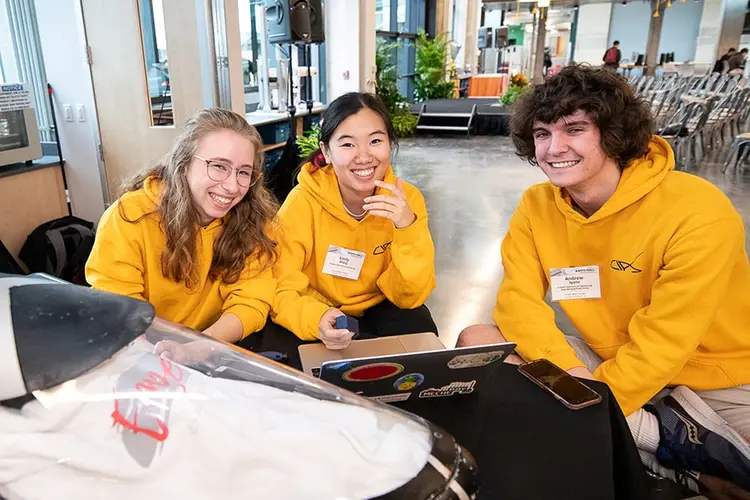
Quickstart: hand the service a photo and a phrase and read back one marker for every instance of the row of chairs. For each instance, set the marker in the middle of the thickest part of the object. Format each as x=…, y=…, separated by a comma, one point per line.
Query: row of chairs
x=692, y=111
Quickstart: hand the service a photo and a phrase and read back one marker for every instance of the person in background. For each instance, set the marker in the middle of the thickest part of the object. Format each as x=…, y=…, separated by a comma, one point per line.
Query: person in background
x=547, y=61
x=719, y=66
x=612, y=56
x=737, y=61
x=191, y=234
x=354, y=239
x=661, y=293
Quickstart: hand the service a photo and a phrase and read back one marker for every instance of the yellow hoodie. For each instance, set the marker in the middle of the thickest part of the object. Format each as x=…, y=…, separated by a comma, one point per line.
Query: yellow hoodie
x=126, y=259
x=675, y=281
x=399, y=264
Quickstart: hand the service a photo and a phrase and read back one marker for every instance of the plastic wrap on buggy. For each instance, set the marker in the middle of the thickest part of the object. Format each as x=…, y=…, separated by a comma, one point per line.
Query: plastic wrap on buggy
x=104, y=400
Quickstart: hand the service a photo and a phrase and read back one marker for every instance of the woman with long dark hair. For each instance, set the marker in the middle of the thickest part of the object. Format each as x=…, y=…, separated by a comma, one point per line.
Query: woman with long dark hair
x=354, y=239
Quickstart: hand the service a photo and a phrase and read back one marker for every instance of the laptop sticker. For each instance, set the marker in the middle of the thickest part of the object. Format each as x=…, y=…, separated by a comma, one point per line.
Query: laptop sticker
x=449, y=390
x=392, y=398
x=372, y=372
x=475, y=360
x=408, y=382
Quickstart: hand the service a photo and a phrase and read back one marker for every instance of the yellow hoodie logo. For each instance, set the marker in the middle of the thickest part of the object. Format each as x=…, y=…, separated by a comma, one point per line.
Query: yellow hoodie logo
x=380, y=249
x=621, y=265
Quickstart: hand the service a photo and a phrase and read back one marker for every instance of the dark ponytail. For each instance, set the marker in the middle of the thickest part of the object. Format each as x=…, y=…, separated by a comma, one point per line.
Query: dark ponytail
x=341, y=109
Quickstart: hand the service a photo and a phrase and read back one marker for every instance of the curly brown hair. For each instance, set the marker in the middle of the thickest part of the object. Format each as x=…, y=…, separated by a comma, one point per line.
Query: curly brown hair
x=245, y=232
x=624, y=119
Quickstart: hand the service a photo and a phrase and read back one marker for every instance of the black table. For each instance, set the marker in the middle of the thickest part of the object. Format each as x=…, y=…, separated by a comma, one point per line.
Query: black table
x=530, y=446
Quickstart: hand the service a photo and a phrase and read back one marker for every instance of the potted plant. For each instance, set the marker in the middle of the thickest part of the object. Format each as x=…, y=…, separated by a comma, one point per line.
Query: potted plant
x=518, y=86
x=431, y=69
x=308, y=142
x=386, y=85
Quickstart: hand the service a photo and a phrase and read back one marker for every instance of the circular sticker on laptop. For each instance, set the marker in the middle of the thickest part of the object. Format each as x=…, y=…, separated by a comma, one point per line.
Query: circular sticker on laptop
x=408, y=382
x=373, y=371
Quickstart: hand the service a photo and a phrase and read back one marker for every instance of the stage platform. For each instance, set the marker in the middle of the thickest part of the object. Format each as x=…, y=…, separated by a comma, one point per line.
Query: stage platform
x=491, y=118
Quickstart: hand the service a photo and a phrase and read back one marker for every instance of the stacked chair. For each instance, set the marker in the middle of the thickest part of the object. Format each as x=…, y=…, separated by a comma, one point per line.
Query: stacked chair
x=694, y=113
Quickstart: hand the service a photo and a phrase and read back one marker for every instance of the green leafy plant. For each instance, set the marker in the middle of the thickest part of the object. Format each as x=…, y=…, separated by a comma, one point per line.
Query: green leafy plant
x=404, y=123
x=519, y=86
x=430, y=67
x=386, y=79
x=512, y=95
x=308, y=142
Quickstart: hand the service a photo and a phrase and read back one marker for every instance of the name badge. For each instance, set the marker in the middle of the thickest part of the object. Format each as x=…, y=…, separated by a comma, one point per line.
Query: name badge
x=343, y=263
x=575, y=283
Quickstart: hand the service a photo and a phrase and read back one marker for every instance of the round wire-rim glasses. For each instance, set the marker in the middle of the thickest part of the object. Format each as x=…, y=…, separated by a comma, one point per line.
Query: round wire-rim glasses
x=220, y=171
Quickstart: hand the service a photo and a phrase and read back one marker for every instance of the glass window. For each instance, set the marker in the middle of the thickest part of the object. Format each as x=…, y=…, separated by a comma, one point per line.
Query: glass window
x=156, y=61
x=401, y=16
x=383, y=15
x=408, y=17
x=252, y=39
x=21, y=58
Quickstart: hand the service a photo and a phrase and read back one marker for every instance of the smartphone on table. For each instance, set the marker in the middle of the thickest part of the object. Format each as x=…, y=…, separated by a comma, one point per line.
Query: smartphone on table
x=563, y=386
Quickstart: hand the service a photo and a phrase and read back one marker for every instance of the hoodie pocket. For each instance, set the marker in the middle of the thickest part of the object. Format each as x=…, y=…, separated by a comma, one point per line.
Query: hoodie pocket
x=702, y=374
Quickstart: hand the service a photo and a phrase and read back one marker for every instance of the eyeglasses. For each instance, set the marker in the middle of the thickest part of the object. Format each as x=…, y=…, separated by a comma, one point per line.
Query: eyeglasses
x=220, y=171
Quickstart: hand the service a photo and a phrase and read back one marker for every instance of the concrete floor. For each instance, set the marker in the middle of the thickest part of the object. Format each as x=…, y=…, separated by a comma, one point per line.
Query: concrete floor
x=472, y=187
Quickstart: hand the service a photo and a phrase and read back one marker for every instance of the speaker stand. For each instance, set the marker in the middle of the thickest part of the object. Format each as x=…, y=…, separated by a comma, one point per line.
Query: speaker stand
x=291, y=107
x=307, y=122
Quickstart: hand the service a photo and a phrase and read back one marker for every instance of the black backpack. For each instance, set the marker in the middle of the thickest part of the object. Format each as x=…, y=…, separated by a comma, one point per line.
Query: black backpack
x=8, y=264
x=60, y=248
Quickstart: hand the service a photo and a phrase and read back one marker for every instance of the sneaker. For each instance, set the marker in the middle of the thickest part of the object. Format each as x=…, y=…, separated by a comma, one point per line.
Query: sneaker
x=694, y=437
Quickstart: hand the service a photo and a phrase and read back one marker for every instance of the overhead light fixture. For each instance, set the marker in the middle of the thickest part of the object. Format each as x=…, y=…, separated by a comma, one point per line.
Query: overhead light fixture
x=624, y=3
x=543, y=3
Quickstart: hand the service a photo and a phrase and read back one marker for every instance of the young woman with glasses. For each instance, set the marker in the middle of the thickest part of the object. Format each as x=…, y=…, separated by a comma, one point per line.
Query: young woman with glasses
x=190, y=235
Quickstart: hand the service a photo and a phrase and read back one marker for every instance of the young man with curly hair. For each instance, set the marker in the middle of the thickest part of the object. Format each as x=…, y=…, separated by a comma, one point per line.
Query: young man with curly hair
x=663, y=295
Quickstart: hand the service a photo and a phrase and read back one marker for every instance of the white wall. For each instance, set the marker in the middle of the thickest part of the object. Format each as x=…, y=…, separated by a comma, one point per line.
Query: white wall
x=459, y=35
x=350, y=38
x=592, y=33
x=342, y=40
x=709, y=32
x=493, y=18
x=63, y=47
x=733, y=24
x=720, y=29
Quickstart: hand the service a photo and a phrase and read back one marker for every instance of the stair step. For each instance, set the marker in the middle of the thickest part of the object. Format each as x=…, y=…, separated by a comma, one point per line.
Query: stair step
x=448, y=115
x=441, y=127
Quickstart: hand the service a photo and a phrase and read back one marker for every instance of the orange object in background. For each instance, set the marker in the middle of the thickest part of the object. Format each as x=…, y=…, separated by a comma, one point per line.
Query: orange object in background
x=493, y=85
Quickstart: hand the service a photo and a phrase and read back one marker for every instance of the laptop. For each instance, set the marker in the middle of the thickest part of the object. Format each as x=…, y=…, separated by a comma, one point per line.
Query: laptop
x=428, y=374
x=313, y=356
